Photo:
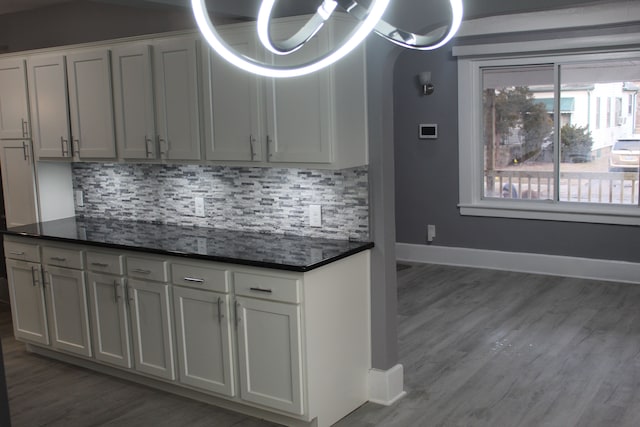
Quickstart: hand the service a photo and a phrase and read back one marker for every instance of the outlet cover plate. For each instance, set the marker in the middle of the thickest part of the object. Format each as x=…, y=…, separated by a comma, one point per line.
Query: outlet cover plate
x=200, y=207
x=315, y=215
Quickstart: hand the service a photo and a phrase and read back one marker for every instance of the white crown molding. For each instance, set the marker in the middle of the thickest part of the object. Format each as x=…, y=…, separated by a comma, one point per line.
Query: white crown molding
x=575, y=17
x=584, y=268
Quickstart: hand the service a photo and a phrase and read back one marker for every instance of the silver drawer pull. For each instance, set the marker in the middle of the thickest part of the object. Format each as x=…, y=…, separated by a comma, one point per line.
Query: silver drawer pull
x=100, y=264
x=265, y=291
x=141, y=271
x=55, y=258
x=16, y=253
x=191, y=279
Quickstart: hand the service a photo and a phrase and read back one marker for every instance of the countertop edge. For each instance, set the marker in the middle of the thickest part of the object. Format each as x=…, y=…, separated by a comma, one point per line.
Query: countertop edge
x=238, y=261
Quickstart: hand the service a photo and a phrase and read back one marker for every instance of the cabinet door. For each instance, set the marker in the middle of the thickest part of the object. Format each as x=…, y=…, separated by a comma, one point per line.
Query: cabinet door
x=269, y=347
x=47, y=78
x=177, y=98
x=203, y=339
x=109, y=319
x=14, y=110
x=27, y=301
x=67, y=308
x=151, y=328
x=133, y=99
x=232, y=100
x=91, y=104
x=18, y=183
x=299, y=109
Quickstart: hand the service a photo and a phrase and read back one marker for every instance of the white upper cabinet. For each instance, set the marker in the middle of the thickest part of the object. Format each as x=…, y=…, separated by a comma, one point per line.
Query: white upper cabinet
x=91, y=104
x=133, y=98
x=14, y=109
x=319, y=119
x=18, y=182
x=177, y=97
x=232, y=103
x=299, y=109
x=47, y=77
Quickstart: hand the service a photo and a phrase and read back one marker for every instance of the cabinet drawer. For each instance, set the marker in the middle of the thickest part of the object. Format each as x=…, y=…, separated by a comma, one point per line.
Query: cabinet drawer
x=21, y=251
x=70, y=258
x=200, y=277
x=267, y=287
x=105, y=263
x=149, y=269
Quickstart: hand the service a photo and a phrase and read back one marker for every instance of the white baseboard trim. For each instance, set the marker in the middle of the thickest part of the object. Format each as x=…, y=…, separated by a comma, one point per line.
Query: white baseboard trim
x=584, y=268
x=386, y=387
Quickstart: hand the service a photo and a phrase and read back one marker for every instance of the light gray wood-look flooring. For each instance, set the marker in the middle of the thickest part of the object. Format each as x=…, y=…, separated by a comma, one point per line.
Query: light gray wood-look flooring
x=479, y=348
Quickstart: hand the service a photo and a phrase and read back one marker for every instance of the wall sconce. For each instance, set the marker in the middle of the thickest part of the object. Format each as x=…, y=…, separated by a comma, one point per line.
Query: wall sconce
x=425, y=81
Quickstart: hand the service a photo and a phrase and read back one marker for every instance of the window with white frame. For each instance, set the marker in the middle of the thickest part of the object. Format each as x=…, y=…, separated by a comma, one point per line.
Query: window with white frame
x=533, y=142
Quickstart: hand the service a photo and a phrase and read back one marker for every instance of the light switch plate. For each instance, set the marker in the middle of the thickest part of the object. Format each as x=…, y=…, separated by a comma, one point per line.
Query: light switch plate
x=79, y=198
x=315, y=215
x=200, y=207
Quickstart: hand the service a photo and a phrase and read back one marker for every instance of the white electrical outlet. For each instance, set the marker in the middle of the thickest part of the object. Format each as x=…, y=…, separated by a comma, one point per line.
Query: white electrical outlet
x=315, y=215
x=202, y=245
x=200, y=206
x=431, y=232
x=79, y=198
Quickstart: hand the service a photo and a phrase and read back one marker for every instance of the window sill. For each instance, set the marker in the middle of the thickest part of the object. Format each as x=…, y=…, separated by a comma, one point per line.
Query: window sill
x=549, y=211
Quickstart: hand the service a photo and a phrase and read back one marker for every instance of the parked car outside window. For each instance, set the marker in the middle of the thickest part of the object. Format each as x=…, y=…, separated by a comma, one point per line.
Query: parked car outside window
x=625, y=154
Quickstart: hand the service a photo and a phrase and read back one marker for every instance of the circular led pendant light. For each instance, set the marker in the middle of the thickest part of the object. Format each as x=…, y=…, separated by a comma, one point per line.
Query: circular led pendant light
x=370, y=20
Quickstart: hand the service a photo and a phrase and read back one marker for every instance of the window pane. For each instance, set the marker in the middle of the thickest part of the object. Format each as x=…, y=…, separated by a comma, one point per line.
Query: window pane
x=599, y=156
x=518, y=105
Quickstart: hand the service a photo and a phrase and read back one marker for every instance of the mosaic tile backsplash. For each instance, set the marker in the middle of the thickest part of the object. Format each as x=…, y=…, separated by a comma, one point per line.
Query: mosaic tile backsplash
x=269, y=200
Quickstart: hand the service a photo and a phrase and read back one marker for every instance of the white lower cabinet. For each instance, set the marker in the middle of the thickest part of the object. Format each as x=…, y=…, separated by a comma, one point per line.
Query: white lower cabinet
x=151, y=328
x=259, y=339
x=109, y=319
x=269, y=350
x=27, y=301
x=66, y=299
x=203, y=334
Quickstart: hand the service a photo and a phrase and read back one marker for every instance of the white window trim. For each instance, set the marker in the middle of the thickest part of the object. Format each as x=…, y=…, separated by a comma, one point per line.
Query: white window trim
x=470, y=125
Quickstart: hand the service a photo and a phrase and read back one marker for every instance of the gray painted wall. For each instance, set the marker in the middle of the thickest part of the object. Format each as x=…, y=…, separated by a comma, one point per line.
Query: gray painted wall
x=427, y=180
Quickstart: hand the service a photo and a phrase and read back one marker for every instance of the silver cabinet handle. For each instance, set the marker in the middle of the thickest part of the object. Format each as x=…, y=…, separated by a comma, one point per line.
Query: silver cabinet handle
x=127, y=294
x=251, y=141
x=219, y=310
x=16, y=253
x=76, y=147
x=269, y=147
x=141, y=271
x=55, y=258
x=25, y=150
x=163, y=142
x=264, y=291
x=191, y=279
x=33, y=276
x=238, y=307
x=100, y=264
x=116, y=297
x=63, y=142
x=147, y=141
x=25, y=128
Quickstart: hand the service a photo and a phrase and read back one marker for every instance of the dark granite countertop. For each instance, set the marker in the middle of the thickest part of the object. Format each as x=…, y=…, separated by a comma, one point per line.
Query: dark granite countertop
x=293, y=253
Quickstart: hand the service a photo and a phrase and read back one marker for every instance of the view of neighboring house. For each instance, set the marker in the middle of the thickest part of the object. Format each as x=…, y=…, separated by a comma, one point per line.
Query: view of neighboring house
x=608, y=110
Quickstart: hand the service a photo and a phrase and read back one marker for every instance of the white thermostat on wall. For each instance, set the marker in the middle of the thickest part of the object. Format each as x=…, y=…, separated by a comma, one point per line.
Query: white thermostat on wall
x=428, y=131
